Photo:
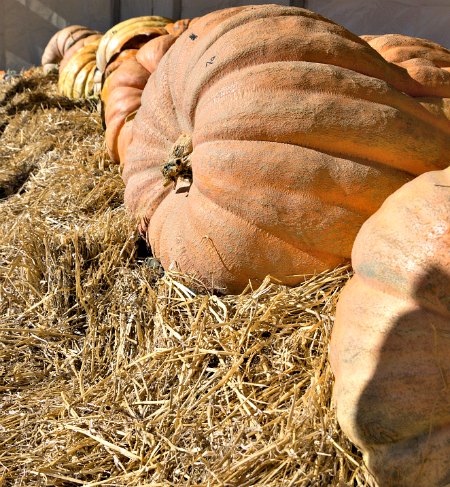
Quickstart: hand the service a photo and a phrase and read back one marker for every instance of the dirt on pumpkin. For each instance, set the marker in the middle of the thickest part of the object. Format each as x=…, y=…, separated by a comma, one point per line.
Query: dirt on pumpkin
x=114, y=374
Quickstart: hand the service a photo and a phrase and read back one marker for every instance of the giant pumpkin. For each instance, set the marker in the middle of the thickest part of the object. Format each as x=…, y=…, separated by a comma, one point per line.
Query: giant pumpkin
x=390, y=346
x=282, y=132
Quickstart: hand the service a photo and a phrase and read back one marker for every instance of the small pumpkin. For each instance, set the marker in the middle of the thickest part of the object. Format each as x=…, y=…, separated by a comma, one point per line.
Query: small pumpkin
x=288, y=131
x=60, y=43
x=76, y=79
x=129, y=34
x=390, y=346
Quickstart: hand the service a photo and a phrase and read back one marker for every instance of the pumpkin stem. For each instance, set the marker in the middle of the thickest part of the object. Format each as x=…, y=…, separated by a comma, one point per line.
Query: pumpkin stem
x=179, y=162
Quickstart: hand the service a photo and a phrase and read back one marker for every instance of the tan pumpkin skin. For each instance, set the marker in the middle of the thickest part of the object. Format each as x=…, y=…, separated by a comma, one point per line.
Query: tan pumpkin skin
x=427, y=62
x=390, y=346
x=299, y=134
x=76, y=47
x=61, y=42
x=439, y=106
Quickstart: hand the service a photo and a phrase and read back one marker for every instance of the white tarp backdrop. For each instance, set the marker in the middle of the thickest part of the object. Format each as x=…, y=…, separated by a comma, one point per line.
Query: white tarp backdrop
x=27, y=25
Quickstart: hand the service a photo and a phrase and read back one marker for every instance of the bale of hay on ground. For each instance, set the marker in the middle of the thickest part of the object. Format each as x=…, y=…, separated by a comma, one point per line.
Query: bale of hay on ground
x=114, y=374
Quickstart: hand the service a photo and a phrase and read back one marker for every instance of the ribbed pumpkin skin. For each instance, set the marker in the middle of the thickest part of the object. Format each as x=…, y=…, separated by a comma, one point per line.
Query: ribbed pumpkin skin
x=117, y=38
x=122, y=97
x=390, y=346
x=76, y=79
x=426, y=62
x=76, y=47
x=121, y=93
x=61, y=42
x=296, y=142
x=118, y=60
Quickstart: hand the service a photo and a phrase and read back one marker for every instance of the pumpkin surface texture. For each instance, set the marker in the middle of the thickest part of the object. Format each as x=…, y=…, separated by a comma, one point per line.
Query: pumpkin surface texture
x=425, y=61
x=298, y=131
x=390, y=346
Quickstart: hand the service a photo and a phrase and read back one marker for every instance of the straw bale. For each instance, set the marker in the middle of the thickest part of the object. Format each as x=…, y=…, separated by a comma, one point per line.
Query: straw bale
x=114, y=373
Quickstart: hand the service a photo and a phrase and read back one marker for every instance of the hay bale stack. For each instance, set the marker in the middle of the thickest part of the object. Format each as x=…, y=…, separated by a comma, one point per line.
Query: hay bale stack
x=112, y=374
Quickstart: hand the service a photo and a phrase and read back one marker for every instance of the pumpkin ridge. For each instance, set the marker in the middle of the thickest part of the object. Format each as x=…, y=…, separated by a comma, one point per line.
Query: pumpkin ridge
x=302, y=248
x=277, y=184
x=216, y=250
x=80, y=80
x=246, y=17
x=383, y=147
x=393, y=98
x=403, y=176
x=226, y=68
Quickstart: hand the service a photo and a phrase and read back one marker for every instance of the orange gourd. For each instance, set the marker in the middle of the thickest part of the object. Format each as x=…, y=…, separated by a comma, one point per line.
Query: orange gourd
x=283, y=133
x=390, y=346
x=118, y=60
x=122, y=100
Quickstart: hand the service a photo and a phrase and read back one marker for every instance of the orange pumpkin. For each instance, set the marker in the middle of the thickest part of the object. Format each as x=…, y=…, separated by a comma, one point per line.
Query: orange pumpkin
x=294, y=130
x=121, y=93
x=151, y=53
x=390, y=346
x=60, y=43
x=118, y=60
x=122, y=99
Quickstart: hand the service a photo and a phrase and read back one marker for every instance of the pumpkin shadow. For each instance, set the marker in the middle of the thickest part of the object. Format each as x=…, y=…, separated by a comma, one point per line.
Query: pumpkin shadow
x=404, y=410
